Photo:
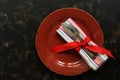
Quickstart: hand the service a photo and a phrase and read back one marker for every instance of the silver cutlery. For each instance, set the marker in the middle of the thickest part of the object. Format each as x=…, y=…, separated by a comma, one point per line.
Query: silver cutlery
x=74, y=34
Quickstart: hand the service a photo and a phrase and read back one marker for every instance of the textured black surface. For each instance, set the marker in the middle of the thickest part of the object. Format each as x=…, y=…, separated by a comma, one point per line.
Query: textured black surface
x=19, y=21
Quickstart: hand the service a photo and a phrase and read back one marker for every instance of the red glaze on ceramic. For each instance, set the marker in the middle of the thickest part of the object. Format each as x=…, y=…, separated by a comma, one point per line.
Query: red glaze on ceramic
x=67, y=63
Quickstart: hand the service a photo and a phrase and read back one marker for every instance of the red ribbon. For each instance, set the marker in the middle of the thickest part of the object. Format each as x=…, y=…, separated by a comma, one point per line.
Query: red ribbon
x=78, y=45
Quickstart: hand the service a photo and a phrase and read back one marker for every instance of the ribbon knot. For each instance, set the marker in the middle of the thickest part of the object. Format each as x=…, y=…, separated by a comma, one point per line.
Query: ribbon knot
x=85, y=41
x=79, y=45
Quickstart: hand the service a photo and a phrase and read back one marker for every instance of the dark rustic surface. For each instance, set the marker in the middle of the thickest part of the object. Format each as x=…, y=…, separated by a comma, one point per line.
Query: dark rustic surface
x=19, y=21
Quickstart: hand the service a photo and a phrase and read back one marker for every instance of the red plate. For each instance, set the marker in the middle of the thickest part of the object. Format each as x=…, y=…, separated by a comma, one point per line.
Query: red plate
x=67, y=63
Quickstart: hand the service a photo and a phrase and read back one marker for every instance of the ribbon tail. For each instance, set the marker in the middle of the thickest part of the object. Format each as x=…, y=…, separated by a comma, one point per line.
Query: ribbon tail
x=65, y=47
x=98, y=49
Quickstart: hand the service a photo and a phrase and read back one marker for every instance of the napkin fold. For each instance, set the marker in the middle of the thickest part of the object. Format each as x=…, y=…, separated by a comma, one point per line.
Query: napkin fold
x=68, y=31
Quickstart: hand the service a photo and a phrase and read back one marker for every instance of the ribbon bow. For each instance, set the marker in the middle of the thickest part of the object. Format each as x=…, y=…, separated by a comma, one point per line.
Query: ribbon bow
x=78, y=45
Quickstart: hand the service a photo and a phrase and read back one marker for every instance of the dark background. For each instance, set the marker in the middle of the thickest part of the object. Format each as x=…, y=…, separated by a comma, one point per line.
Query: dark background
x=19, y=21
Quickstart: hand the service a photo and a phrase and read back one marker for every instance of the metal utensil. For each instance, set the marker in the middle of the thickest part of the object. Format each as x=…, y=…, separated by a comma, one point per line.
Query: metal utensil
x=74, y=34
x=69, y=32
x=82, y=52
